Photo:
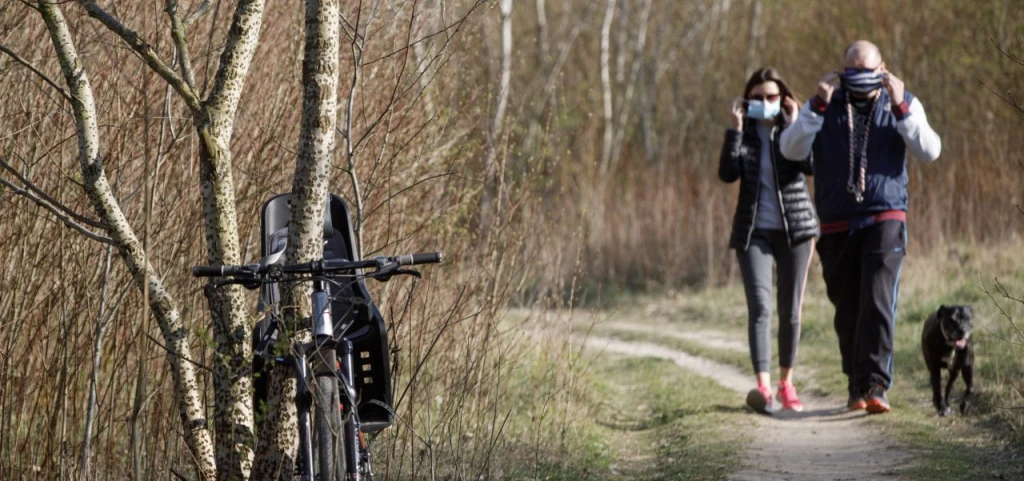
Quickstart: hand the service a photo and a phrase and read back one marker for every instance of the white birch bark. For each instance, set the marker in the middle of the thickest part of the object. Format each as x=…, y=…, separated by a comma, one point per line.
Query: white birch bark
x=626, y=105
x=95, y=183
x=755, y=37
x=491, y=170
x=277, y=448
x=236, y=441
x=543, y=43
x=606, y=86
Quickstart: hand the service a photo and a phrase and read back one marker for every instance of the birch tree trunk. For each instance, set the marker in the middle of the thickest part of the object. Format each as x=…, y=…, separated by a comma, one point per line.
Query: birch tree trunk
x=277, y=449
x=755, y=37
x=543, y=44
x=214, y=123
x=626, y=105
x=214, y=120
x=606, y=86
x=97, y=344
x=94, y=181
x=491, y=170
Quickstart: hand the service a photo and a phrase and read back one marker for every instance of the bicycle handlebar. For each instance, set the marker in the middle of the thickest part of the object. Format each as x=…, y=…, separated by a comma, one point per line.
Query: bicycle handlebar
x=216, y=271
x=421, y=258
x=325, y=266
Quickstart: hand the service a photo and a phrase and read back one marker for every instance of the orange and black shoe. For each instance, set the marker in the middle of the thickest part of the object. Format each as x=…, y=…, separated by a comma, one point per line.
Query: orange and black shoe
x=876, y=400
x=856, y=400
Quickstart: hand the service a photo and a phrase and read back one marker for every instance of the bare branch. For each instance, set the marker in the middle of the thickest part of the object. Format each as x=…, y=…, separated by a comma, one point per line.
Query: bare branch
x=39, y=195
x=1006, y=295
x=409, y=187
x=65, y=218
x=1003, y=293
x=181, y=43
x=178, y=475
x=1006, y=54
x=145, y=51
x=453, y=28
x=36, y=71
x=192, y=17
x=1008, y=98
x=172, y=353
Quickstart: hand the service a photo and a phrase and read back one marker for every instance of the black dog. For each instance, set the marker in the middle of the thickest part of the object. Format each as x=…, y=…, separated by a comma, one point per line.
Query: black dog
x=946, y=343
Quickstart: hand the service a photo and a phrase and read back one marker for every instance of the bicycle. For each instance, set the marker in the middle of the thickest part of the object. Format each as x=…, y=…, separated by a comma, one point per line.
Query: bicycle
x=344, y=406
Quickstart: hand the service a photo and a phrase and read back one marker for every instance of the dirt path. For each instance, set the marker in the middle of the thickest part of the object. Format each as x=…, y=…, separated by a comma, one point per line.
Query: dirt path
x=713, y=339
x=822, y=443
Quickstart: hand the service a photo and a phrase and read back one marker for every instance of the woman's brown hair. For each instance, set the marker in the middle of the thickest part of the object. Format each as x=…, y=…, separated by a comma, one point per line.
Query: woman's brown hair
x=768, y=74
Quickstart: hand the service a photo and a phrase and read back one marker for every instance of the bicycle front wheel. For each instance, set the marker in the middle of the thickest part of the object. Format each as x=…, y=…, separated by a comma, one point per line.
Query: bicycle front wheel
x=328, y=429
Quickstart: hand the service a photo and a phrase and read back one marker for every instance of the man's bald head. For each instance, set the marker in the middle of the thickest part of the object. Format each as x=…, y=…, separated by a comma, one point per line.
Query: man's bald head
x=862, y=54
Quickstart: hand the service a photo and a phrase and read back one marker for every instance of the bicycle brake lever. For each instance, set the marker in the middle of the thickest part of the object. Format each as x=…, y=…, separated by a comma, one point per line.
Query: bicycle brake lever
x=386, y=276
x=410, y=272
x=226, y=282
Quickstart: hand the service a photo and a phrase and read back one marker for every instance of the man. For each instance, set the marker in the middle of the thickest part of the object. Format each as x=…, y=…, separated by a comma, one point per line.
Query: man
x=859, y=133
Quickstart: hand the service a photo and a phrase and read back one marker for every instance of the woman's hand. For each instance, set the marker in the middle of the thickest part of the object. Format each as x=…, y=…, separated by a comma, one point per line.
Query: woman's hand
x=790, y=110
x=736, y=114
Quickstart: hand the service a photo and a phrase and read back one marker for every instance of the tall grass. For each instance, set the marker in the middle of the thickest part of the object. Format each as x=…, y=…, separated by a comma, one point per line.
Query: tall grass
x=657, y=218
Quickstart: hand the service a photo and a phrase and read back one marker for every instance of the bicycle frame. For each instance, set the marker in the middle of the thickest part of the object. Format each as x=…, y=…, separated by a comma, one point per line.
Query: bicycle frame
x=325, y=356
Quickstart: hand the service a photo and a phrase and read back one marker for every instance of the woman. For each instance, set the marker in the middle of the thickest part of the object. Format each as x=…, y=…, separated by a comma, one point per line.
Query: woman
x=774, y=223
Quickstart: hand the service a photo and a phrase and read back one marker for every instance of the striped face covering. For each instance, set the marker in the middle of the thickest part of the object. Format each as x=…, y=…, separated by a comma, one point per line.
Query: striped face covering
x=860, y=81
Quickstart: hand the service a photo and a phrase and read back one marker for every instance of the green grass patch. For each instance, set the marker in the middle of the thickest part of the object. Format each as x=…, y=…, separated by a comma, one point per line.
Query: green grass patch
x=650, y=420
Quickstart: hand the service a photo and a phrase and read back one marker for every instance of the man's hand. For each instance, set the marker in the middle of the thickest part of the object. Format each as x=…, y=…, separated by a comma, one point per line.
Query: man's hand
x=790, y=110
x=894, y=86
x=827, y=85
x=736, y=114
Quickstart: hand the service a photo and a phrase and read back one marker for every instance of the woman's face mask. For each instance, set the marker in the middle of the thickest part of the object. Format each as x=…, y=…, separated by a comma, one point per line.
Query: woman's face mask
x=860, y=81
x=763, y=110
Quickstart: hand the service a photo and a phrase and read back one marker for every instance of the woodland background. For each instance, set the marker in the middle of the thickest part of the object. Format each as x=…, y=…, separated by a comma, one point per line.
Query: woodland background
x=558, y=152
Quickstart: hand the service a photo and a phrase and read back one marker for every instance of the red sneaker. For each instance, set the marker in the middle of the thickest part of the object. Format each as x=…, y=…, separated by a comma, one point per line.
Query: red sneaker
x=760, y=399
x=788, y=397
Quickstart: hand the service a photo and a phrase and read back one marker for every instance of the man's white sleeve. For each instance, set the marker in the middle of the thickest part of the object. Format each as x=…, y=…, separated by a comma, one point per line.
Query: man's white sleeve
x=922, y=142
x=796, y=141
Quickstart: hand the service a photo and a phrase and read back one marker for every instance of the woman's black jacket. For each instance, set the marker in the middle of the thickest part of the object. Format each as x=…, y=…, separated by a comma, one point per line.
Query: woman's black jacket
x=741, y=160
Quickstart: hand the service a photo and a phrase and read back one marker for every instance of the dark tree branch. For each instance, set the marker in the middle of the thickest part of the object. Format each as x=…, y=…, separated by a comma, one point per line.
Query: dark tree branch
x=144, y=50
x=1008, y=98
x=192, y=17
x=181, y=43
x=454, y=26
x=36, y=71
x=37, y=193
x=1006, y=54
x=65, y=218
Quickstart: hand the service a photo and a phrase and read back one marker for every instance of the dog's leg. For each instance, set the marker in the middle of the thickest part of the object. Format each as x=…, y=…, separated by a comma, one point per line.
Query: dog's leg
x=936, y=377
x=954, y=372
x=969, y=381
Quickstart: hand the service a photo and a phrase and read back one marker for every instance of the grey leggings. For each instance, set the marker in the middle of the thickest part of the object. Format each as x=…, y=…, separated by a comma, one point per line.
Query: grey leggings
x=768, y=247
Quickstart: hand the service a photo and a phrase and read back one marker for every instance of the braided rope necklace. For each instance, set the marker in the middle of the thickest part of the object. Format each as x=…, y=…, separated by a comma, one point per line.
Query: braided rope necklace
x=857, y=188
